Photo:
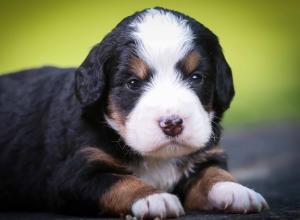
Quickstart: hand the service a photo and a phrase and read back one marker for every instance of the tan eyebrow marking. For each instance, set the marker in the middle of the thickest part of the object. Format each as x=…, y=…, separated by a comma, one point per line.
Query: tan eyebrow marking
x=139, y=67
x=191, y=62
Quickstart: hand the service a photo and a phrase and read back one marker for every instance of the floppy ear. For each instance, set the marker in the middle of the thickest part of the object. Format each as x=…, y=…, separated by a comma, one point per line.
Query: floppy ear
x=224, y=90
x=90, y=77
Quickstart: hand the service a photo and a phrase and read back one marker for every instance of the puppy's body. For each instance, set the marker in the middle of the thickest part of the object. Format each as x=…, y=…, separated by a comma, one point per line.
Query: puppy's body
x=39, y=134
x=34, y=141
x=139, y=118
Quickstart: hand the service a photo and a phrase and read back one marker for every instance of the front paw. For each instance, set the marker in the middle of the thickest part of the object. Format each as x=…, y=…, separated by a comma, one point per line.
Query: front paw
x=235, y=198
x=163, y=205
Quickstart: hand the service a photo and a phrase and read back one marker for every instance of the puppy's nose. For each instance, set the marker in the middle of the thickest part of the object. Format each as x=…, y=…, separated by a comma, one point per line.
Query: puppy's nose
x=171, y=125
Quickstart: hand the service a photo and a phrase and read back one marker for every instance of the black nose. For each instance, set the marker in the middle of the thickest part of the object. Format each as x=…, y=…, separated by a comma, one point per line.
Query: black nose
x=171, y=125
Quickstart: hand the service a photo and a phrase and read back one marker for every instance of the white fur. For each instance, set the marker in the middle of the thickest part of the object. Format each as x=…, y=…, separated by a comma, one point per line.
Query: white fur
x=163, y=40
x=236, y=198
x=162, y=174
x=161, y=205
x=164, y=98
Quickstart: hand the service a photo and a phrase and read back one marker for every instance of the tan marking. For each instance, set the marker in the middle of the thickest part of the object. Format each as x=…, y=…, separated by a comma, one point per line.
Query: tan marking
x=114, y=114
x=196, y=198
x=139, y=67
x=191, y=62
x=94, y=154
x=120, y=197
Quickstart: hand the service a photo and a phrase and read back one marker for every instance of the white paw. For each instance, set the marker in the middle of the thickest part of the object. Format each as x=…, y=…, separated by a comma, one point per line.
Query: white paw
x=233, y=197
x=162, y=205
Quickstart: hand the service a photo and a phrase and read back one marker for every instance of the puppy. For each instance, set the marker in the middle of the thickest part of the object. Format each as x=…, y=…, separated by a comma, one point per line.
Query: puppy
x=134, y=130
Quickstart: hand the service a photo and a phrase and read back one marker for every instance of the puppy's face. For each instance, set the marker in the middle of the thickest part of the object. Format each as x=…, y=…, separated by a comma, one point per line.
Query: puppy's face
x=161, y=84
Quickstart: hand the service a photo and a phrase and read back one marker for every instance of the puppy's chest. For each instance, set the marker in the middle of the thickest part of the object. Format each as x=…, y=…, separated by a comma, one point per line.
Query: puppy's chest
x=162, y=174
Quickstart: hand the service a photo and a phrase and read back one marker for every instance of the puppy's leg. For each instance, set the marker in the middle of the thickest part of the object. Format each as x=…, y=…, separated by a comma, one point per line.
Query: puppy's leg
x=216, y=189
x=92, y=181
x=132, y=194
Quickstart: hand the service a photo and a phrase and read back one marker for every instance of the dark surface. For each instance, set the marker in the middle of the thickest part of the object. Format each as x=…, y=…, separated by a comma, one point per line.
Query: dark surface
x=265, y=158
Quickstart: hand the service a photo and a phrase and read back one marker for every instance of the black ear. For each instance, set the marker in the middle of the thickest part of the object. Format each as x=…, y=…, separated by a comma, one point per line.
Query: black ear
x=224, y=90
x=90, y=77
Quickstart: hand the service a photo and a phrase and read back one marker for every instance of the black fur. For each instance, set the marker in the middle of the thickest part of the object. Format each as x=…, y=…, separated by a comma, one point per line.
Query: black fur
x=48, y=114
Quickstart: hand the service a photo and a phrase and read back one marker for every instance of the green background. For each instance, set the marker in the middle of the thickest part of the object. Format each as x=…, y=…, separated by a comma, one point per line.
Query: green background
x=260, y=41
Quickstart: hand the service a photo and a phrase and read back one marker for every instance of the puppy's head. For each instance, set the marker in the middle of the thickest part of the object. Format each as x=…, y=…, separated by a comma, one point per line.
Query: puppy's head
x=163, y=80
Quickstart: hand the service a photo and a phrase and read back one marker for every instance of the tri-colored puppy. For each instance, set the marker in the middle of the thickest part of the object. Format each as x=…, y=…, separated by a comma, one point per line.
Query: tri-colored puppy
x=133, y=130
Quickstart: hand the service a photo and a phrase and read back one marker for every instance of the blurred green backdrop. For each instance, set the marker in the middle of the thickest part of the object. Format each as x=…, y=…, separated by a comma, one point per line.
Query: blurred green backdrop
x=260, y=41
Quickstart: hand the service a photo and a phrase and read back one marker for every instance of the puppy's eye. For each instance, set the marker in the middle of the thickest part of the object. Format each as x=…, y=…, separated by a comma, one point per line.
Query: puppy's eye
x=196, y=78
x=134, y=84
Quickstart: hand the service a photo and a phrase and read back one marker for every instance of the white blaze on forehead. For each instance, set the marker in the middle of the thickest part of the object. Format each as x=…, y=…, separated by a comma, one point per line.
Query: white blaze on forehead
x=162, y=38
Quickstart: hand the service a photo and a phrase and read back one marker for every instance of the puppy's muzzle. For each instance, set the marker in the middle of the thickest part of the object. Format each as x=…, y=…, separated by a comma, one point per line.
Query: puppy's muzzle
x=171, y=125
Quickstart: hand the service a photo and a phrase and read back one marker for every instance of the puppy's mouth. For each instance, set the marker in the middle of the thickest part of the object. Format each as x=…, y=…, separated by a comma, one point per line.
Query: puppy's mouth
x=172, y=142
x=170, y=149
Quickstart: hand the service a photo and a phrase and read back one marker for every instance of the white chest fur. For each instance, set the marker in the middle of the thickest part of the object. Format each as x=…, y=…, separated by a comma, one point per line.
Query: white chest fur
x=161, y=173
